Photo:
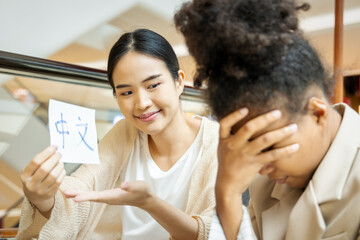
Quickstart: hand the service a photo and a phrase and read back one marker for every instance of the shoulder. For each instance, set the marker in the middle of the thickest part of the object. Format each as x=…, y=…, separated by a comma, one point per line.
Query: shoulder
x=120, y=131
x=353, y=178
x=211, y=132
x=119, y=140
x=210, y=140
x=211, y=124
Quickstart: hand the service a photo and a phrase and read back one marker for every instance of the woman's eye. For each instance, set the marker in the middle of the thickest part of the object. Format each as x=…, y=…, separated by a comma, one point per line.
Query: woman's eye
x=153, y=85
x=126, y=93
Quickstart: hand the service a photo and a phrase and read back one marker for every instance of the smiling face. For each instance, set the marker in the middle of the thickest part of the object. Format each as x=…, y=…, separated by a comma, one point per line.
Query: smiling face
x=147, y=94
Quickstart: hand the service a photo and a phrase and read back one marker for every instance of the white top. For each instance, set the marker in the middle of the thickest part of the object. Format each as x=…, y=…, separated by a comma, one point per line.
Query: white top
x=246, y=231
x=171, y=186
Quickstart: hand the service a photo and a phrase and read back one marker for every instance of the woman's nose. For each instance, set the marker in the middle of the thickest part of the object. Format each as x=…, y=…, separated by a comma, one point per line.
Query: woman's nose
x=143, y=101
x=267, y=169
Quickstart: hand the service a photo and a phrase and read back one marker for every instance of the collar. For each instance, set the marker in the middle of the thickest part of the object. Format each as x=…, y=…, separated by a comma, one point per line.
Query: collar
x=339, y=156
x=281, y=190
x=331, y=175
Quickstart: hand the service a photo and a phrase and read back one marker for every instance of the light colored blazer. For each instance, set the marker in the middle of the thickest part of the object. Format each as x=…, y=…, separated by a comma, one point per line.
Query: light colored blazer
x=91, y=220
x=328, y=208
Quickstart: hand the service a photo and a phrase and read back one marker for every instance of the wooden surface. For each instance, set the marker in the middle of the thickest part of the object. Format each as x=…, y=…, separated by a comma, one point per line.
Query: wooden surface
x=338, y=51
x=8, y=232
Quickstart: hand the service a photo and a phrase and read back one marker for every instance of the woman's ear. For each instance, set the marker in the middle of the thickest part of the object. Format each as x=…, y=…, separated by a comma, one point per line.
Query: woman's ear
x=180, y=82
x=319, y=109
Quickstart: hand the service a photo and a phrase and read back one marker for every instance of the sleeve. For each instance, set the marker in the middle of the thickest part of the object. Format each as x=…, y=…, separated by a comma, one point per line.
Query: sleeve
x=66, y=220
x=245, y=231
x=253, y=219
x=201, y=196
x=71, y=220
x=201, y=201
x=204, y=219
x=216, y=231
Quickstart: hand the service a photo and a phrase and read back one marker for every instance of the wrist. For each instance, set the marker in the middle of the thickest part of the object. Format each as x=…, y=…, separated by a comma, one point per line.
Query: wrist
x=149, y=202
x=45, y=206
x=228, y=201
x=230, y=213
x=227, y=192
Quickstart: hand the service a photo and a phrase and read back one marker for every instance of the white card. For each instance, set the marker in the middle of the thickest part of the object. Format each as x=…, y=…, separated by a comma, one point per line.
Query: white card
x=72, y=129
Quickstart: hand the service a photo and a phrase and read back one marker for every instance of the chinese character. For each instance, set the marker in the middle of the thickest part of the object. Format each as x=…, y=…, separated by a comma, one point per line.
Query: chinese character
x=62, y=131
x=85, y=125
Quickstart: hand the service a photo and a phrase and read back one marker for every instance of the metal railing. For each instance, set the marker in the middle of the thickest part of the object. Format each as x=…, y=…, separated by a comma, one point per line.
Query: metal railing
x=21, y=65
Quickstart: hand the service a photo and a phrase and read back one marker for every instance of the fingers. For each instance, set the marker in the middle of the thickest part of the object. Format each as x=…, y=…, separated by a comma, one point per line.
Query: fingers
x=278, y=153
x=230, y=120
x=137, y=186
x=34, y=183
x=53, y=179
x=58, y=181
x=128, y=193
x=46, y=168
x=80, y=195
x=106, y=196
x=71, y=193
x=52, y=189
x=89, y=196
x=253, y=126
x=269, y=139
x=36, y=162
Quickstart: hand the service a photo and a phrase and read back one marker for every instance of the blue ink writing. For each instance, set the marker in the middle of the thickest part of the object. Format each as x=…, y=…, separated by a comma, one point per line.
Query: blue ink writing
x=63, y=130
x=85, y=125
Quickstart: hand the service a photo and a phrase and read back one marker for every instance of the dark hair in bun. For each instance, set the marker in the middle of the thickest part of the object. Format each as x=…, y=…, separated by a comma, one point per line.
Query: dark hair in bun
x=250, y=53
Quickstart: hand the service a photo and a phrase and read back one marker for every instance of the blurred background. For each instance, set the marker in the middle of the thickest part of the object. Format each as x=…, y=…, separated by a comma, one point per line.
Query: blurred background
x=81, y=33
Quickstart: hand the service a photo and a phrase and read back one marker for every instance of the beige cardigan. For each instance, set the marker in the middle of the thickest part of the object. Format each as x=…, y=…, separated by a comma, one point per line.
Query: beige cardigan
x=329, y=207
x=70, y=220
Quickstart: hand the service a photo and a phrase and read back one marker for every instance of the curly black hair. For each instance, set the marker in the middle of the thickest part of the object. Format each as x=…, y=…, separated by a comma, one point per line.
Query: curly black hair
x=251, y=53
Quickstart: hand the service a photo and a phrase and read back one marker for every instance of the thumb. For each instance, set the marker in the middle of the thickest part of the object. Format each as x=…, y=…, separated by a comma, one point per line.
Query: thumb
x=133, y=186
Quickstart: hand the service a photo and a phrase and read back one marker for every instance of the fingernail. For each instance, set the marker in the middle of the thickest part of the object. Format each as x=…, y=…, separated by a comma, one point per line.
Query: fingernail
x=295, y=147
x=276, y=114
x=55, y=147
x=292, y=128
x=243, y=111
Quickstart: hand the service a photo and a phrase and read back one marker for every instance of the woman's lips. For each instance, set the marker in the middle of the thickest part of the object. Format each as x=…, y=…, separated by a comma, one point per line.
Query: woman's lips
x=282, y=180
x=147, y=117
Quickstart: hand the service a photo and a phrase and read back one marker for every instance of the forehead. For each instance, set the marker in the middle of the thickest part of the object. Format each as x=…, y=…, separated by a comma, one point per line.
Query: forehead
x=138, y=66
x=285, y=119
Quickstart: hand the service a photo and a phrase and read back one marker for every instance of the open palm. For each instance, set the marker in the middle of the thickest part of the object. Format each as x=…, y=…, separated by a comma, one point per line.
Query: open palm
x=133, y=194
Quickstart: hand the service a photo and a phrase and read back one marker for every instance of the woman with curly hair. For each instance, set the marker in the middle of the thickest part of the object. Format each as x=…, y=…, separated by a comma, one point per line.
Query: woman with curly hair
x=279, y=134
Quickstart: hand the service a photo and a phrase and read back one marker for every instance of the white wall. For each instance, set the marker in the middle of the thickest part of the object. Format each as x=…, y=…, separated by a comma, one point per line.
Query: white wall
x=42, y=27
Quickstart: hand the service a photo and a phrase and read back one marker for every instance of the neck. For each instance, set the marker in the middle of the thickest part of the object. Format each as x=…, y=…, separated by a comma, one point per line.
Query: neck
x=170, y=144
x=179, y=130
x=334, y=123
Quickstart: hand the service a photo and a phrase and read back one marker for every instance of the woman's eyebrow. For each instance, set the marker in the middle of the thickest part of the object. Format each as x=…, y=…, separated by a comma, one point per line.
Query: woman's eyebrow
x=151, y=77
x=143, y=81
x=122, y=86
